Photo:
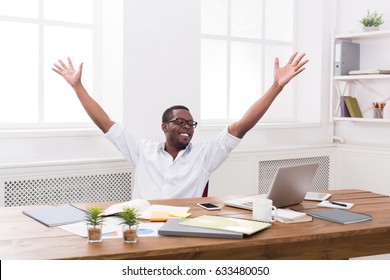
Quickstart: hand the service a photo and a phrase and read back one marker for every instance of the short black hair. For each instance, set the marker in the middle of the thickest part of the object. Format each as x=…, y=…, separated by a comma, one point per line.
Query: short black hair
x=167, y=115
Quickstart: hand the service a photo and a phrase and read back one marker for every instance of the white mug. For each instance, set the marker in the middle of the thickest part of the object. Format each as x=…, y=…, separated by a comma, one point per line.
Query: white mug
x=262, y=210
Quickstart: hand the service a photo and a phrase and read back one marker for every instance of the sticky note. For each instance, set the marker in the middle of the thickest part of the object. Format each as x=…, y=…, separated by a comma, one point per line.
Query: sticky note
x=179, y=214
x=158, y=216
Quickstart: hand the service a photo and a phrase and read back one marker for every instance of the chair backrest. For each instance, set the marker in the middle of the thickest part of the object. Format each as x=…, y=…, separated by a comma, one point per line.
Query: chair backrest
x=206, y=190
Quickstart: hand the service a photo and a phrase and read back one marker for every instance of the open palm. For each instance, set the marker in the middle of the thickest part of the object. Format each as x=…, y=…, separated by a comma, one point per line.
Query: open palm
x=68, y=72
x=294, y=66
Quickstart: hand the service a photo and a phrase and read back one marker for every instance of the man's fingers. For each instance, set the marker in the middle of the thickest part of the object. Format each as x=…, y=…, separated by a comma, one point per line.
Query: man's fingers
x=55, y=70
x=298, y=59
x=302, y=63
x=81, y=68
x=59, y=68
x=70, y=62
x=276, y=63
x=290, y=61
x=62, y=64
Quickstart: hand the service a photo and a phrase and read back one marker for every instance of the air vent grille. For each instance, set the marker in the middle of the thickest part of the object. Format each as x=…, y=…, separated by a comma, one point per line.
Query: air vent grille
x=267, y=171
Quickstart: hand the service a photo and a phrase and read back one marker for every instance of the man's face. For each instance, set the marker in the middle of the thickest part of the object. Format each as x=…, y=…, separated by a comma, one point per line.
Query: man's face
x=177, y=135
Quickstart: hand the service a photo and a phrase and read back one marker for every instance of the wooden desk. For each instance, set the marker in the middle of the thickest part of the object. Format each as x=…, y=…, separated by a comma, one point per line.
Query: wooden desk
x=24, y=238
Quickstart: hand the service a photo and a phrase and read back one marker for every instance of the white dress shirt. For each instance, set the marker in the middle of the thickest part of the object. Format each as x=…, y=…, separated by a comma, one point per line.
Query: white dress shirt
x=158, y=176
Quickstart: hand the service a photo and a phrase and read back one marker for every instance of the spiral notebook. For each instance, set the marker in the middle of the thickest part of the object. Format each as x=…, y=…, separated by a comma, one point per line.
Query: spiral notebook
x=244, y=226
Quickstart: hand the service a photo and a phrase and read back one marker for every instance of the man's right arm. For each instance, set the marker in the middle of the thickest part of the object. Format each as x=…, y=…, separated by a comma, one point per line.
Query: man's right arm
x=93, y=109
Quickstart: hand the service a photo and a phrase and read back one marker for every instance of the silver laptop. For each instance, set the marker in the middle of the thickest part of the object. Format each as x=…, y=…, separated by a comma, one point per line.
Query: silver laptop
x=289, y=187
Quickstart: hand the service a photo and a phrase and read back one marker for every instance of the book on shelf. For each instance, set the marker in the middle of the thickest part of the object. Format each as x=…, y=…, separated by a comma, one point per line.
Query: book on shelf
x=353, y=107
x=343, y=108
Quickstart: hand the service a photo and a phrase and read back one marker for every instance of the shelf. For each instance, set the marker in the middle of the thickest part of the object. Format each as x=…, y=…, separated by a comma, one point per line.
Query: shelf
x=362, y=77
x=376, y=85
x=368, y=120
x=365, y=35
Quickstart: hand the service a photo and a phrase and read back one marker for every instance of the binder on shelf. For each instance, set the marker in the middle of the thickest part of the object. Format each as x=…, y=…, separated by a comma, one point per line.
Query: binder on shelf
x=347, y=57
x=343, y=108
x=353, y=107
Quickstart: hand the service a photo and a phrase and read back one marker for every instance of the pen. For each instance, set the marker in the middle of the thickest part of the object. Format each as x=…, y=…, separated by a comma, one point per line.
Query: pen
x=339, y=204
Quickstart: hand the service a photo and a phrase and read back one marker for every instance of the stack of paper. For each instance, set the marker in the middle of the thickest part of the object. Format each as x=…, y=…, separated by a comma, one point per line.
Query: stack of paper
x=288, y=216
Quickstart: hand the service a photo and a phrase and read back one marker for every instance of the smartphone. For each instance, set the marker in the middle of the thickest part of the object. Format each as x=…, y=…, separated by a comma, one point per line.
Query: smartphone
x=209, y=206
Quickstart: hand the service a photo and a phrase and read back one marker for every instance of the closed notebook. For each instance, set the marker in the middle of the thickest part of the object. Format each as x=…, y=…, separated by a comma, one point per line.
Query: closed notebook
x=341, y=216
x=173, y=228
x=56, y=216
x=227, y=223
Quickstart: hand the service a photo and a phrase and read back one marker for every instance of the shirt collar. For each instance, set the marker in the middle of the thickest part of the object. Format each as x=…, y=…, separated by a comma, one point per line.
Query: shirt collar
x=161, y=147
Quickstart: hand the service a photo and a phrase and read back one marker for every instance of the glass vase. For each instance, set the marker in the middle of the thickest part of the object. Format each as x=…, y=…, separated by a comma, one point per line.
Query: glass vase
x=130, y=234
x=94, y=233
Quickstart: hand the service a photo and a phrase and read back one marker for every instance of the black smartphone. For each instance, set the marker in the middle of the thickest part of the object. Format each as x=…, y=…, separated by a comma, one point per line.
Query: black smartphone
x=209, y=206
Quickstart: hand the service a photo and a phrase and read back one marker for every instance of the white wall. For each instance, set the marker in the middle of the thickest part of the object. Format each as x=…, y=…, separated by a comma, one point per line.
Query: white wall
x=161, y=61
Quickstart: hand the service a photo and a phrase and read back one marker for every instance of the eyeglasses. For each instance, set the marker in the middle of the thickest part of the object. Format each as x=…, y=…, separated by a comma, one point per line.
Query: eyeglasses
x=183, y=122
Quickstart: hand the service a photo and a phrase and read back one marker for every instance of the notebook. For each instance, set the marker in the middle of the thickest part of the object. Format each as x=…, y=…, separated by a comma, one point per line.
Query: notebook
x=341, y=216
x=56, y=216
x=244, y=226
x=289, y=187
x=173, y=228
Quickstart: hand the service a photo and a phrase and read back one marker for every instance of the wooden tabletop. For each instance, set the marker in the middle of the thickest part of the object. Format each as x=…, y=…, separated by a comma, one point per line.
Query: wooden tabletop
x=23, y=238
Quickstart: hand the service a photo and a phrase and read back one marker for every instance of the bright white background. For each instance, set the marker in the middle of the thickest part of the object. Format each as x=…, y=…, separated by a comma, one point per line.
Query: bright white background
x=304, y=270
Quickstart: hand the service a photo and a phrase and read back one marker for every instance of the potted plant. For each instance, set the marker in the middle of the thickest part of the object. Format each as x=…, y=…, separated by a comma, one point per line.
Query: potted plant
x=130, y=222
x=95, y=220
x=372, y=21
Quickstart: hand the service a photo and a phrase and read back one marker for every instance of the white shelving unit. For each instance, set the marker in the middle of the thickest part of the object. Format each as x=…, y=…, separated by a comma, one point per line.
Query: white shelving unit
x=359, y=85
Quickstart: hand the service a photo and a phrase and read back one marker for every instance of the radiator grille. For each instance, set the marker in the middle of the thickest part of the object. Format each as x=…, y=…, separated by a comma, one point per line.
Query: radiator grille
x=72, y=189
x=267, y=171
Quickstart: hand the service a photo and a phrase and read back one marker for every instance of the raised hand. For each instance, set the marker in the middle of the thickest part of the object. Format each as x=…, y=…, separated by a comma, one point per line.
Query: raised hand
x=293, y=67
x=72, y=76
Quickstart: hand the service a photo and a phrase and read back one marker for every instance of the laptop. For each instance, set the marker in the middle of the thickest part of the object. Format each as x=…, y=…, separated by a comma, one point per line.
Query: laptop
x=289, y=187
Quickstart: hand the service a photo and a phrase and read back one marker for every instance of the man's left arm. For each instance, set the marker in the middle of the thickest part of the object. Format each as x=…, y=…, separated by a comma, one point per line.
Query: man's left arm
x=282, y=75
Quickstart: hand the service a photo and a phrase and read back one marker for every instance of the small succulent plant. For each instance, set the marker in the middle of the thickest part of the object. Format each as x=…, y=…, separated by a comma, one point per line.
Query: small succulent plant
x=372, y=19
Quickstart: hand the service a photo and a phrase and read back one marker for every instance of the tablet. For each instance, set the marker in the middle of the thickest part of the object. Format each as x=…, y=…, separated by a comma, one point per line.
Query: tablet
x=315, y=196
